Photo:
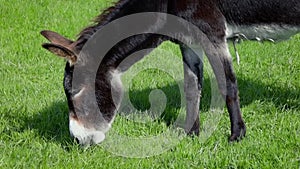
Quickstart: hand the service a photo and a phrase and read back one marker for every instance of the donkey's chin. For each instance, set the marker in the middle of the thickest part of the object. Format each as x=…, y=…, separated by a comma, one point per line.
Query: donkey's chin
x=85, y=136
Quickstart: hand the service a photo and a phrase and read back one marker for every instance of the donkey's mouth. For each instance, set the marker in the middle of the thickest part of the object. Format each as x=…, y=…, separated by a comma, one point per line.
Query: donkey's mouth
x=85, y=136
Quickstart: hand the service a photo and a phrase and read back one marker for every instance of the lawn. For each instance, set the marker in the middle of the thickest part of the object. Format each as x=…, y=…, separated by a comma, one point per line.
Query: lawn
x=34, y=113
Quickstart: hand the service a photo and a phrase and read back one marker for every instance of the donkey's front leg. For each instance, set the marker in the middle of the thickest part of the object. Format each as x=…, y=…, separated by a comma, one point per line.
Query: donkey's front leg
x=220, y=59
x=193, y=77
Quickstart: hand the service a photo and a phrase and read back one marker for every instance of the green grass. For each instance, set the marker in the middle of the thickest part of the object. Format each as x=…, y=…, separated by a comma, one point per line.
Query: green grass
x=33, y=112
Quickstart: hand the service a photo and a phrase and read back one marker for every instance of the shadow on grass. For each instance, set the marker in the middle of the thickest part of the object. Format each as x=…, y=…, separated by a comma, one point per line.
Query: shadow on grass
x=51, y=122
x=249, y=91
x=283, y=98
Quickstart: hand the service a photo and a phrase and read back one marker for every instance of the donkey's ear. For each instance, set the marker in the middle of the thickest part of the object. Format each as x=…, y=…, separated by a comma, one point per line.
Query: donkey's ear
x=56, y=38
x=61, y=51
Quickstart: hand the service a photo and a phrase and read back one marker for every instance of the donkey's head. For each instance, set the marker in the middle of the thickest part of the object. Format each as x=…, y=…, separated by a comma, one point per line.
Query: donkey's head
x=86, y=124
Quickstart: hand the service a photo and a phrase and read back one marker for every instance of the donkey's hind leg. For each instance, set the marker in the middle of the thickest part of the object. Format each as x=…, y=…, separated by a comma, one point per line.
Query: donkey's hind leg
x=220, y=59
x=193, y=77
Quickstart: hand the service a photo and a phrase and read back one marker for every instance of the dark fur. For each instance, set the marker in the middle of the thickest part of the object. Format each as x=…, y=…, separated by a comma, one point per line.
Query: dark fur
x=248, y=12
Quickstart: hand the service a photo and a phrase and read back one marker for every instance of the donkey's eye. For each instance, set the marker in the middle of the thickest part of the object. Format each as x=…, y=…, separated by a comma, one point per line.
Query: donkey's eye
x=77, y=92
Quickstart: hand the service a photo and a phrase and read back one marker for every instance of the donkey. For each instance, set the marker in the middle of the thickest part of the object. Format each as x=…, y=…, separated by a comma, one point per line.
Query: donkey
x=219, y=20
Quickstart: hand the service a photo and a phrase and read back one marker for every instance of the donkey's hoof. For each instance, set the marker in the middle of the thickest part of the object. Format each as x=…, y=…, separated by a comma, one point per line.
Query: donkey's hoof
x=238, y=134
x=192, y=133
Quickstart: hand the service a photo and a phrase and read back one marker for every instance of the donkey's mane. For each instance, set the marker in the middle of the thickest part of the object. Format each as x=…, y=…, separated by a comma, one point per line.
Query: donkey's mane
x=105, y=17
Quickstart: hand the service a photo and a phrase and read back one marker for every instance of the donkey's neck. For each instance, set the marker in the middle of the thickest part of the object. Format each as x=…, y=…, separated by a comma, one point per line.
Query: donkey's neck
x=121, y=50
x=120, y=9
x=108, y=85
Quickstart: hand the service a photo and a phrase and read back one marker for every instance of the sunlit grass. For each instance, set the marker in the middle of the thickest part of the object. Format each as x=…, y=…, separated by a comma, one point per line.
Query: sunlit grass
x=33, y=112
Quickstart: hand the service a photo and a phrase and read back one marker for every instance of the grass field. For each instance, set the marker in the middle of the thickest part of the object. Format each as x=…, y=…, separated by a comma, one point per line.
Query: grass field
x=33, y=108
